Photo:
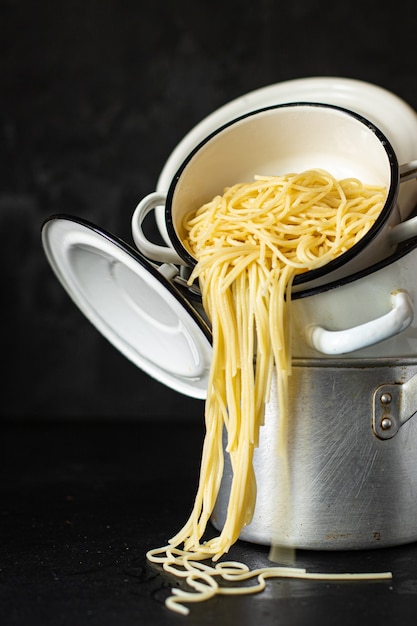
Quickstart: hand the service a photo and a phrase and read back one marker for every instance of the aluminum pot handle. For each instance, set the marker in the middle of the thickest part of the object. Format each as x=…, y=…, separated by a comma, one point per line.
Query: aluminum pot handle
x=150, y=250
x=367, y=334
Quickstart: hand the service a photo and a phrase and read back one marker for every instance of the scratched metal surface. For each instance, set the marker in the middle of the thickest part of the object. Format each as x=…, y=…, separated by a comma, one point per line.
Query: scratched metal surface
x=347, y=488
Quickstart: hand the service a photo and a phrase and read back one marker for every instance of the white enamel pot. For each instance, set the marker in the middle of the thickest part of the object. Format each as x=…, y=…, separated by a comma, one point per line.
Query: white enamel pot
x=387, y=111
x=370, y=314
x=280, y=139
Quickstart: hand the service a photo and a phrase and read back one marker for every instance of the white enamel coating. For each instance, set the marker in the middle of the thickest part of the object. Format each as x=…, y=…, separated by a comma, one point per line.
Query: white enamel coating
x=336, y=342
x=165, y=254
x=370, y=315
x=390, y=113
x=132, y=304
x=287, y=138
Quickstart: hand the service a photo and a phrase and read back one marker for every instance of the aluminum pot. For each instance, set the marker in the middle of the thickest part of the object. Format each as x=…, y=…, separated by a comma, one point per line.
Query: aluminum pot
x=352, y=471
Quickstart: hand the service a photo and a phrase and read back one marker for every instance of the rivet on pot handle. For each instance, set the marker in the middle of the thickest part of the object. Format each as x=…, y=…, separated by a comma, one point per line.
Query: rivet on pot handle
x=393, y=405
x=149, y=249
x=367, y=334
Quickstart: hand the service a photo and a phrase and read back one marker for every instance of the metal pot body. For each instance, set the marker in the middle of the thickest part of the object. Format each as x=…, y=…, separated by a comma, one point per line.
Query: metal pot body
x=349, y=477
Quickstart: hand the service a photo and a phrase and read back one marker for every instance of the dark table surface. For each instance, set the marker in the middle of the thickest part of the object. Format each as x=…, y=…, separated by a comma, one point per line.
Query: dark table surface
x=82, y=502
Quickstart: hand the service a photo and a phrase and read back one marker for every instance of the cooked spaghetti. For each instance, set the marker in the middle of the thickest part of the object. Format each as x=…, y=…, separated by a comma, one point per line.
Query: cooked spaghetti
x=249, y=244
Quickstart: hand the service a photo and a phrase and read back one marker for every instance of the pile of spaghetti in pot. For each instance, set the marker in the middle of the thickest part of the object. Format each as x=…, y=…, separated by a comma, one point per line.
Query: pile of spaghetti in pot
x=249, y=244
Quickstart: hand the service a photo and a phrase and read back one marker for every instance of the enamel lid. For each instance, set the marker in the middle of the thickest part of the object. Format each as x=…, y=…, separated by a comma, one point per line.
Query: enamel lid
x=132, y=302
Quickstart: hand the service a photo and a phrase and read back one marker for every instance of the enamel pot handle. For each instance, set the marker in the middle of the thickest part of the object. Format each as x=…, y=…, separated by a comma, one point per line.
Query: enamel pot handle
x=367, y=334
x=150, y=250
x=408, y=229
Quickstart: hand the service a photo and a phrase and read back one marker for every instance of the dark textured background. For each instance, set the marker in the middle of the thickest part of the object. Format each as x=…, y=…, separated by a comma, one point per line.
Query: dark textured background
x=95, y=94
